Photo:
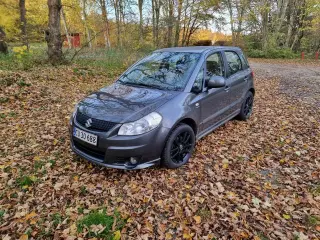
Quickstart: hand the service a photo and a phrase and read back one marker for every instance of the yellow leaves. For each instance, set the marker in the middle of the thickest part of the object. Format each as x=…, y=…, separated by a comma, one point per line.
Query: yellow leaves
x=282, y=161
x=197, y=219
x=73, y=229
x=168, y=236
x=286, y=216
x=24, y=237
x=76, y=178
x=267, y=185
x=235, y=214
x=225, y=163
x=33, y=178
x=30, y=215
x=187, y=235
x=37, y=158
x=55, y=141
x=244, y=234
x=116, y=235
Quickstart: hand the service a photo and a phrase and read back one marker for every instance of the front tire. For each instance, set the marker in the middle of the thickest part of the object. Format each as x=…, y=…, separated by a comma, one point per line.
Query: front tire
x=246, y=107
x=179, y=146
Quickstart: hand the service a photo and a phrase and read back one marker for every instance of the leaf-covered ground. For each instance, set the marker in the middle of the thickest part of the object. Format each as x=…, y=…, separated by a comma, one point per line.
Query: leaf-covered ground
x=247, y=180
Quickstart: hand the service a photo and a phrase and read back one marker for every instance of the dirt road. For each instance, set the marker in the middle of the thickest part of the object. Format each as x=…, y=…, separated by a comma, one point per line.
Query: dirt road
x=297, y=79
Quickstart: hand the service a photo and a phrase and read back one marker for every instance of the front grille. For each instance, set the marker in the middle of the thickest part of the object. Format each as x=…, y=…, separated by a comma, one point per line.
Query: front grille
x=94, y=153
x=96, y=124
x=100, y=154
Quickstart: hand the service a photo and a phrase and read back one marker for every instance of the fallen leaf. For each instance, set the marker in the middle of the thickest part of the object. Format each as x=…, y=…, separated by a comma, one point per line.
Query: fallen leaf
x=197, y=219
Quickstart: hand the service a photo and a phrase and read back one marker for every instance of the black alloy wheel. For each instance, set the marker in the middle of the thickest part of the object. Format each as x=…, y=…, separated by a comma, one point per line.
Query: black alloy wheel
x=179, y=146
x=247, y=107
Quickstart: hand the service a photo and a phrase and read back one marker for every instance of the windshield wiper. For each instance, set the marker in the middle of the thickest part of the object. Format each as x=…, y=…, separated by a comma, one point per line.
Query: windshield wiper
x=140, y=84
x=148, y=86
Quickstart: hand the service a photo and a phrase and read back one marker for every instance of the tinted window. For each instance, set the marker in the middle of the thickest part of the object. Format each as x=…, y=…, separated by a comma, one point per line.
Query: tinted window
x=198, y=83
x=162, y=70
x=245, y=63
x=234, y=62
x=214, y=65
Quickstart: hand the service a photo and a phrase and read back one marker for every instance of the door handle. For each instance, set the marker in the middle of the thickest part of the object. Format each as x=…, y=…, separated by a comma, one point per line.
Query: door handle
x=227, y=88
x=246, y=79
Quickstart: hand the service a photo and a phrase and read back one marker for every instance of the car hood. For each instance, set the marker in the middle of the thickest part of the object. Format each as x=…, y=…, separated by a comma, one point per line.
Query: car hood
x=122, y=103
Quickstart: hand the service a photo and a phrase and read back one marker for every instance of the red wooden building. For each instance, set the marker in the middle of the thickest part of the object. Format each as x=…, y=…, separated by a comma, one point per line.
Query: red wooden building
x=74, y=39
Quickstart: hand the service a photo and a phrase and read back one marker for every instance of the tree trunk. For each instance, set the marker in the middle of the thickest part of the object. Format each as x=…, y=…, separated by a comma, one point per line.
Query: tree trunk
x=116, y=7
x=3, y=45
x=106, y=33
x=177, y=34
x=140, y=3
x=170, y=24
x=23, y=23
x=65, y=27
x=230, y=10
x=153, y=23
x=156, y=16
x=84, y=13
x=282, y=13
x=265, y=18
x=292, y=13
x=53, y=34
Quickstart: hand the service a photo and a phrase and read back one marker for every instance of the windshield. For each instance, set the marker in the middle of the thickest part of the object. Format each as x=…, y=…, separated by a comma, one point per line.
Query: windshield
x=162, y=70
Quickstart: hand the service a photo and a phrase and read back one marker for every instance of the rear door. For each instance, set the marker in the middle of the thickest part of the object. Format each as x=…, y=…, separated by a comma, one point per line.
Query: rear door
x=237, y=79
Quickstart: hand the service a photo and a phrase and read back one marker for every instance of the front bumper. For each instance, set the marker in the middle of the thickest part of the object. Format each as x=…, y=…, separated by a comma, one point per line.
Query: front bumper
x=115, y=151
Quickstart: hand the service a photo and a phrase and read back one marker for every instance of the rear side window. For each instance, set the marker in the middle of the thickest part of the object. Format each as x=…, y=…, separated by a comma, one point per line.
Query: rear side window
x=234, y=62
x=244, y=60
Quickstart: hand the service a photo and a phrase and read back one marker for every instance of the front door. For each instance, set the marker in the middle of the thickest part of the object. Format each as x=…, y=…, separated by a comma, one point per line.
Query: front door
x=213, y=101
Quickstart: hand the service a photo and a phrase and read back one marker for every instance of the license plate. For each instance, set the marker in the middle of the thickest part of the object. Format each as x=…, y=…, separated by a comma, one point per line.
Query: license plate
x=85, y=136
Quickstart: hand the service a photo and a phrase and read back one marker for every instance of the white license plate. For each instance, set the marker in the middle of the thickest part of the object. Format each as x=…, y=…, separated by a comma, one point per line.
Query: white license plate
x=85, y=136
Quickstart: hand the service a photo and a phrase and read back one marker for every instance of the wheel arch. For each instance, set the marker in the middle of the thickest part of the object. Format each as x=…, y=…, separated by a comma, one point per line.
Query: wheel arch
x=252, y=90
x=190, y=122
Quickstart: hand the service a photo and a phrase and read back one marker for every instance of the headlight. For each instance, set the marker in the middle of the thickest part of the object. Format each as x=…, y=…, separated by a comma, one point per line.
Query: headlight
x=75, y=111
x=142, y=125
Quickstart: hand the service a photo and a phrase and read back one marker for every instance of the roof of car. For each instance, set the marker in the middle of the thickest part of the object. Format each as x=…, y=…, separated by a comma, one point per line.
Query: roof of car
x=196, y=49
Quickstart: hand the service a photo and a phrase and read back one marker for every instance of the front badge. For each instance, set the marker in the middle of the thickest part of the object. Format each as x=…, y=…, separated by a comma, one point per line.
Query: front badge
x=88, y=123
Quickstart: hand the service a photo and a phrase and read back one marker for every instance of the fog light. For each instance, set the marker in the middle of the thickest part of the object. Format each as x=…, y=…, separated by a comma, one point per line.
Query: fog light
x=133, y=160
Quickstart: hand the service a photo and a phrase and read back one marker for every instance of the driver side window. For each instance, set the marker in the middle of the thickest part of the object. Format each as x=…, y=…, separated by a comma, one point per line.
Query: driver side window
x=214, y=66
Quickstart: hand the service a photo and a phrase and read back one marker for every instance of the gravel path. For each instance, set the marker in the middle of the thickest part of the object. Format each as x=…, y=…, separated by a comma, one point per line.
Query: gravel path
x=298, y=80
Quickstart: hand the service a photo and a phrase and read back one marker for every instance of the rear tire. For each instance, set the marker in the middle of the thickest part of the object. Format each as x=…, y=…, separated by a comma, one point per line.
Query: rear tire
x=179, y=146
x=246, y=107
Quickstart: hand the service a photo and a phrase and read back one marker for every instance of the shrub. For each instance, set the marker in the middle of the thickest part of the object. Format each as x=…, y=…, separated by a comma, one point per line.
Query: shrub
x=272, y=53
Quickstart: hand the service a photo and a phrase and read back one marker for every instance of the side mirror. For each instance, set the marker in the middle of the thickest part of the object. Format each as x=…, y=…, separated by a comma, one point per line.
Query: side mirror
x=216, y=82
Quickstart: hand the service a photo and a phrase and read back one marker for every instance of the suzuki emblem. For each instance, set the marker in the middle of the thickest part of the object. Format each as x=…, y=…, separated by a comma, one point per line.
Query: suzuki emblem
x=88, y=123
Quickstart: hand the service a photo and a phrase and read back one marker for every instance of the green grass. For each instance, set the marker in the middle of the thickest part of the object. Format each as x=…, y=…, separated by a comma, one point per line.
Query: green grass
x=315, y=190
x=95, y=218
x=25, y=181
x=56, y=219
x=313, y=220
x=2, y=212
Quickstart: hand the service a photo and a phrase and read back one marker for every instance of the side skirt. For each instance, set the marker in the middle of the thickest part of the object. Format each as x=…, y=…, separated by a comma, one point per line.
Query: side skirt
x=212, y=128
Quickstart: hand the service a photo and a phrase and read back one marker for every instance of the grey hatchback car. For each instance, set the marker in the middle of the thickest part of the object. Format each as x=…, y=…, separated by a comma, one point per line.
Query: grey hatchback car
x=157, y=109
